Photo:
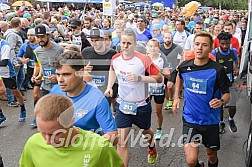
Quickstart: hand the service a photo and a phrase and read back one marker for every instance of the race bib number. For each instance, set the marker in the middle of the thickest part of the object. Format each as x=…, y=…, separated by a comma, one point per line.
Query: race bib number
x=196, y=85
x=170, y=66
x=156, y=90
x=230, y=77
x=31, y=64
x=128, y=108
x=47, y=71
x=99, y=80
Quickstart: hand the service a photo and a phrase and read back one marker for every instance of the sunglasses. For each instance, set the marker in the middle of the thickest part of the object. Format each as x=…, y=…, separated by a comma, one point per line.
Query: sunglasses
x=140, y=21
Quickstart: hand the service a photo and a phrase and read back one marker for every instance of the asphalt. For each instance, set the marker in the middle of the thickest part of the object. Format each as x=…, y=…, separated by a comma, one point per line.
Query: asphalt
x=14, y=134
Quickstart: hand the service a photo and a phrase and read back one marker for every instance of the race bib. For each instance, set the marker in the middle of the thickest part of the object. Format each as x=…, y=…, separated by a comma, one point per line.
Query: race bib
x=99, y=80
x=170, y=66
x=230, y=77
x=128, y=108
x=156, y=90
x=196, y=85
x=47, y=71
x=31, y=64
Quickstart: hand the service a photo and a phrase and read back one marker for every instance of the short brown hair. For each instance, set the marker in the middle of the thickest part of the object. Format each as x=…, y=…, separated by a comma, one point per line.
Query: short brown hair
x=88, y=19
x=72, y=58
x=71, y=48
x=46, y=15
x=51, y=106
x=154, y=40
x=15, y=22
x=129, y=32
x=228, y=24
x=204, y=34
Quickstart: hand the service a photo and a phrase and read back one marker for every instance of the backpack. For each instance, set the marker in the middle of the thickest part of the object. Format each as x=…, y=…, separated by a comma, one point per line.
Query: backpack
x=29, y=51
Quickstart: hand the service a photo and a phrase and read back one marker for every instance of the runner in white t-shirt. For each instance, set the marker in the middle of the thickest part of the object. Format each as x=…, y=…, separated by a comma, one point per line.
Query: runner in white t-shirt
x=198, y=27
x=180, y=35
x=133, y=105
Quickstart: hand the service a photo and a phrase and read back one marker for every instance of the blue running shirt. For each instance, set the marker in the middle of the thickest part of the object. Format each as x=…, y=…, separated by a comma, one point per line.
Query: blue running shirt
x=201, y=85
x=92, y=110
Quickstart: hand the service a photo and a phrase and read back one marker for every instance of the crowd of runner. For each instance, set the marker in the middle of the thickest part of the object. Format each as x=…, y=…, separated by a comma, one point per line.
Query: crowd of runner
x=110, y=69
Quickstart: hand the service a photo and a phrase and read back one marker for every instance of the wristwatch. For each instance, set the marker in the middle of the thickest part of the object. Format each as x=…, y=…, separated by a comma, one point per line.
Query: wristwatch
x=139, y=78
x=223, y=102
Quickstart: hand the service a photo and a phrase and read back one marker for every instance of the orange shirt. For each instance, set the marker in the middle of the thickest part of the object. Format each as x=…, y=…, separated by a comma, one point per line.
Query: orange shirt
x=190, y=55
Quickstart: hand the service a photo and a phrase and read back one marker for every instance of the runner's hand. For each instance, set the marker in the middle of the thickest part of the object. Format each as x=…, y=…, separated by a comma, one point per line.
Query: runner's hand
x=109, y=93
x=236, y=72
x=37, y=79
x=33, y=79
x=26, y=60
x=130, y=77
x=88, y=67
x=215, y=103
x=175, y=105
x=53, y=78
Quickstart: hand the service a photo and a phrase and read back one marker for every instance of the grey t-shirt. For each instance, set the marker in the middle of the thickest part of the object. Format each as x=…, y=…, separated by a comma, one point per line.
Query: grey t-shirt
x=172, y=55
x=46, y=58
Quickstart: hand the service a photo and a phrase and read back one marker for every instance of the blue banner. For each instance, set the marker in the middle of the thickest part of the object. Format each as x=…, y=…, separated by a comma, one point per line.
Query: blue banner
x=3, y=1
x=167, y=3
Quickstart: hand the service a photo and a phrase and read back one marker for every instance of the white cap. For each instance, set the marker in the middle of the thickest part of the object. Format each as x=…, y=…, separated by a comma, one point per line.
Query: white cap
x=31, y=31
x=130, y=16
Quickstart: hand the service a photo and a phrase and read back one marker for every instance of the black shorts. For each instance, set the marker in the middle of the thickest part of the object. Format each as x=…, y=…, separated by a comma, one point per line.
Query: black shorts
x=173, y=76
x=37, y=84
x=208, y=134
x=10, y=83
x=158, y=99
x=141, y=120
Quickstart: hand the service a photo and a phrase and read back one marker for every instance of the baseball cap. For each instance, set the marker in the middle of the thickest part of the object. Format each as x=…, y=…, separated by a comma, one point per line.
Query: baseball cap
x=154, y=15
x=27, y=15
x=225, y=16
x=75, y=23
x=207, y=21
x=42, y=29
x=64, y=18
x=198, y=19
x=31, y=31
x=96, y=33
x=156, y=27
x=130, y=16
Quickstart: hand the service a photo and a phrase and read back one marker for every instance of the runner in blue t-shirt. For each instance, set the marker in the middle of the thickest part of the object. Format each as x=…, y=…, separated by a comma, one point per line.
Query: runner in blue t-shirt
x=92, y=110
x=202, y=79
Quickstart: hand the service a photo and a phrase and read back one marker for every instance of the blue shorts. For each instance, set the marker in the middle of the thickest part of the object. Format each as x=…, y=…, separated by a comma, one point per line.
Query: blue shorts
x=141, y=120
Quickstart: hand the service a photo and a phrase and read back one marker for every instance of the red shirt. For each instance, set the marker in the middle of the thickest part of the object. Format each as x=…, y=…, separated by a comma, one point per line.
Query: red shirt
x=234, y=44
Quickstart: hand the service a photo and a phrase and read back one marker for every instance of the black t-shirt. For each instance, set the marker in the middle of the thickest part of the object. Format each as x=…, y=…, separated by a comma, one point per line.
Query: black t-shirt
x=105, y=58
x=101, y=65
